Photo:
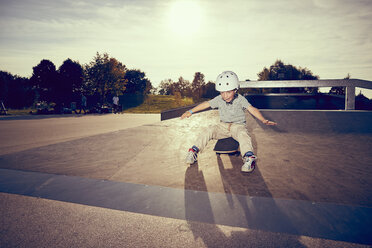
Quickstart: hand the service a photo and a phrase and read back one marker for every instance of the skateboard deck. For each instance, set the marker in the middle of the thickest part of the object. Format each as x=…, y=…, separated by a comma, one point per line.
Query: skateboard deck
x=227, y=145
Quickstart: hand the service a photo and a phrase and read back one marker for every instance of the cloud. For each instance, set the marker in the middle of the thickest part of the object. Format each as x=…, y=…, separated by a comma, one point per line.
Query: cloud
x=53, y=22
x=239, y=34
x=64, y=10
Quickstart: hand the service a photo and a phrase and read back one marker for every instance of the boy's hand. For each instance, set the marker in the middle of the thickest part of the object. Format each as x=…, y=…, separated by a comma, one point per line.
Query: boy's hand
x=187, y=114
x=269, y=123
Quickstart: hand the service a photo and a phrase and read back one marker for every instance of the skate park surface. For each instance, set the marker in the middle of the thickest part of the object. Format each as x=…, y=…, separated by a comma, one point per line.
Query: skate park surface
x=121, y=181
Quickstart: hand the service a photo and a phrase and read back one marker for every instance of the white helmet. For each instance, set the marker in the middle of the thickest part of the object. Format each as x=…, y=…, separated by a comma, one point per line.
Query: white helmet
x=227, y=81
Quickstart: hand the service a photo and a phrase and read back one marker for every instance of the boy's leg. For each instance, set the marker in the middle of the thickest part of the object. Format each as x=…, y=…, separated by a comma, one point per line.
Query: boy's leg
x=218, y=131
x=239, y=132
x=212, y=132
x=206, y=135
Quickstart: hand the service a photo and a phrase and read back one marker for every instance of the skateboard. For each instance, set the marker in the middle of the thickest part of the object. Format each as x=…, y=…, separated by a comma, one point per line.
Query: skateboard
x=227, y=146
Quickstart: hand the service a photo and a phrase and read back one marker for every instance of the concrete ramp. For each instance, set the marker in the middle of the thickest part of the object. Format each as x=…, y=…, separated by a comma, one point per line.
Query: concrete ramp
x=304, y=163
x=327, y=167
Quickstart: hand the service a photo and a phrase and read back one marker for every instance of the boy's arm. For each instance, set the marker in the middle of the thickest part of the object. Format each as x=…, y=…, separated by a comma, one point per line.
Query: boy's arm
x=254, y=111
x=200, y=107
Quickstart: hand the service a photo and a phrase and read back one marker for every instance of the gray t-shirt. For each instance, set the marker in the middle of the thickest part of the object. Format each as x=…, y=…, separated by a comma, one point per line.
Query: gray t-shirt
x=231, y=112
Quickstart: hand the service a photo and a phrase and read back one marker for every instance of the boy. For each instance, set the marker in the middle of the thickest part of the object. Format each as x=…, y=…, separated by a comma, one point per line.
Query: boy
x=231, y=106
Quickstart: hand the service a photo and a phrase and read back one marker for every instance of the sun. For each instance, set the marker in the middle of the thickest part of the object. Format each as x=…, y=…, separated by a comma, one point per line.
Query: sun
x=185, y=17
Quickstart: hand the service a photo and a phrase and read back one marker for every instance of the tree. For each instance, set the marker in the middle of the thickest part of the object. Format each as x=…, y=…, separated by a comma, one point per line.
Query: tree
x=362, y=102
x=5, y=81
x=137, y=82
x=168, y=87
x=71, y=73
x=15, y=91
x=20, y=93
x=104, y=76
x=183, y=86
x=339, y=90
x=197, y=86
x=281, y=71
x=209, y=90
x=165, y=87
x=44, y=79
x=70, y=79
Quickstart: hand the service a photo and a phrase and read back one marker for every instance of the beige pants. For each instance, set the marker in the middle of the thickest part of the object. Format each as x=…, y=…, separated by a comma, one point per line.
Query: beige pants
x=225, y=130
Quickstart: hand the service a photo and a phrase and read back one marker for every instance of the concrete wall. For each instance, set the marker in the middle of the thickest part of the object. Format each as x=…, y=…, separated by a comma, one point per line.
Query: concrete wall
x=320, y=121
x=317, y=121
x=177, y=112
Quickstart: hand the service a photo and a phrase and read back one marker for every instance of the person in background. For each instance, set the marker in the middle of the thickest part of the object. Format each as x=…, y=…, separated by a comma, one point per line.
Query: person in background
x=115, y=106
x=83, y=105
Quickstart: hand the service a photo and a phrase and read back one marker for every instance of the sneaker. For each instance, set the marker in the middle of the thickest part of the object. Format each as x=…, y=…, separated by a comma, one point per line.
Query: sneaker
x=191, y=156
x=248, y=165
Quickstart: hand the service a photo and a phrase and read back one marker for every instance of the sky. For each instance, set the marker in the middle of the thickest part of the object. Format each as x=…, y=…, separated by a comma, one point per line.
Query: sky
x=167, y=39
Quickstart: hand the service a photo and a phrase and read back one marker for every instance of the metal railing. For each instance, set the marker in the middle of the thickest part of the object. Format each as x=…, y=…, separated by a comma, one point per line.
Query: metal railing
x=349, y=84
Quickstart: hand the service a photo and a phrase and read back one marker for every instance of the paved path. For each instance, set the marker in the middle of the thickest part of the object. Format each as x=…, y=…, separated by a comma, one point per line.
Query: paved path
x=24, y=132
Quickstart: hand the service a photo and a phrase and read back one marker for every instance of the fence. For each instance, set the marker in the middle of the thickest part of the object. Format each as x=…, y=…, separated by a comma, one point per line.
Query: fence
x=350, y=85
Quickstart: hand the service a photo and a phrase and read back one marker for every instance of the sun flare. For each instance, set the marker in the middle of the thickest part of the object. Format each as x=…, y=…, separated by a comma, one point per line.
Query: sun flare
x=185, y=17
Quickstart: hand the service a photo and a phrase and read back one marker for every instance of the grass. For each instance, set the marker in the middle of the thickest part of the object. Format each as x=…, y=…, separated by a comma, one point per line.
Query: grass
x=25, y=111
x=153, y=104
x=157, y=103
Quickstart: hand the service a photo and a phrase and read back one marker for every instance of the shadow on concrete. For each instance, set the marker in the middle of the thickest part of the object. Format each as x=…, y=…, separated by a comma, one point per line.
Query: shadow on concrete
x=214, y=236
x=234, y=183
